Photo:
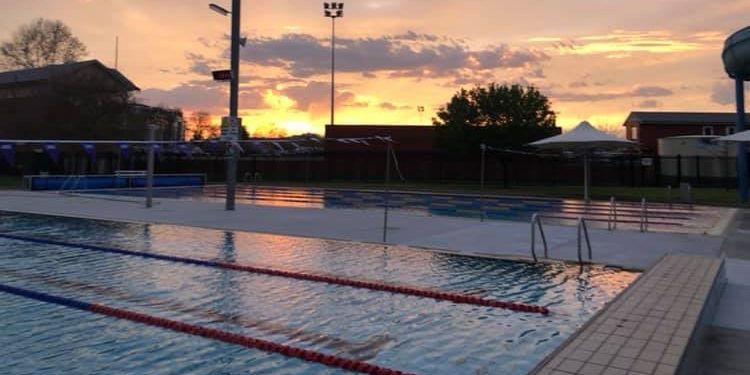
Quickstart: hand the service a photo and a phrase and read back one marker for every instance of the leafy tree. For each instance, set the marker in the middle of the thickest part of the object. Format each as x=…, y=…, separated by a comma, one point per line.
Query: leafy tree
x=497, y=115
x=40, y=43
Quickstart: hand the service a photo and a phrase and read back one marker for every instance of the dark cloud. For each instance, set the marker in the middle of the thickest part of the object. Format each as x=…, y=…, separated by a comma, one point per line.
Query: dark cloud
x=315, y=97
x=723, y=93
x=404, y=55
x=638, y=91
x=649, y=103
x=393, y=107
x=651, y=91
x=201, y=97
x=578, y=84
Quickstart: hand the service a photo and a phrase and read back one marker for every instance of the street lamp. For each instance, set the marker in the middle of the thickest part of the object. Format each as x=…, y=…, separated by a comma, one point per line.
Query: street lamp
x=233, y=94
x=333, y=11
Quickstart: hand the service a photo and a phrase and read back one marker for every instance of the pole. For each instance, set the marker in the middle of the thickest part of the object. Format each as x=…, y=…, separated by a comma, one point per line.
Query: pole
x=150, y=167
x=586, y=177
x=333, y=66
x=233, y=104
x=387, y=190
x=483, y=147
x=742, y=177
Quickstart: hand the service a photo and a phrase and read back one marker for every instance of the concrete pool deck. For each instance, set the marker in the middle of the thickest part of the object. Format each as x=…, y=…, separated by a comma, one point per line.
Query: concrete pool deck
x=650, y=328
x=624, y=248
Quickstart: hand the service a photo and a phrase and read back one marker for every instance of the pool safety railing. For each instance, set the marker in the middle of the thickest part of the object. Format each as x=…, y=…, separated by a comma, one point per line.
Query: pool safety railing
x=455, y=297
x=583, y=228
x=130, y=175
x=536, y=222
x=644, y=216
x=612, y=216
x=210, y=333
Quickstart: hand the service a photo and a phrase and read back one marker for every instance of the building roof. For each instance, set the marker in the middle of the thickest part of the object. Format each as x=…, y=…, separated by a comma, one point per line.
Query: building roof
x=684, y=118
x=50, y=71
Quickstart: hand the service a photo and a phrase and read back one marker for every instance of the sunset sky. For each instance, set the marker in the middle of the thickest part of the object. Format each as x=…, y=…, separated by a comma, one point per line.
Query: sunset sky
x=596, y=60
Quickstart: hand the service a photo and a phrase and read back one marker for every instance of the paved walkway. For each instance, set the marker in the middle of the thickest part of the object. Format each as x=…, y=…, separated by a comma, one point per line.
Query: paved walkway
x=623, y=248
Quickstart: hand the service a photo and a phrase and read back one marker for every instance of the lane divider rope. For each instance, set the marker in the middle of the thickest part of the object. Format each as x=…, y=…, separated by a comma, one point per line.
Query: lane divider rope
x=211, y=333
x=363, y=284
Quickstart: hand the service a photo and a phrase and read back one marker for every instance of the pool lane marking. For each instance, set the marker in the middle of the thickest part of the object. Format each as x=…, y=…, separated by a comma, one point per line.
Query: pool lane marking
x=211, y=333
x=396, y=289
x=370, y=348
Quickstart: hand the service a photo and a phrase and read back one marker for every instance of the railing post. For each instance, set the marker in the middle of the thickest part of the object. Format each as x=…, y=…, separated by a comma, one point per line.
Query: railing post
x=644, y=216
x=482, y=147
x=150, y=167
x=386, y=198
x=578, y=230
x=533, y=237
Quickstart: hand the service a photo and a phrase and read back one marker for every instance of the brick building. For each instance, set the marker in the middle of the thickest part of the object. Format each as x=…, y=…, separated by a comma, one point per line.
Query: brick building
x=81, y=100
x=647, y=128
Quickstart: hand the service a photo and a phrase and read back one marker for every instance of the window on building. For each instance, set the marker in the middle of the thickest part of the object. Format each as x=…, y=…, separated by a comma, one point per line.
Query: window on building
x=708, y=130
x=634, y=133
x=730, y=130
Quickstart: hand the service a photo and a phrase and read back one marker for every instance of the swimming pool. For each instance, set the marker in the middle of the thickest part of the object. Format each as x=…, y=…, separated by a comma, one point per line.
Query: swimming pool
x=661, y=217
x=408, y=333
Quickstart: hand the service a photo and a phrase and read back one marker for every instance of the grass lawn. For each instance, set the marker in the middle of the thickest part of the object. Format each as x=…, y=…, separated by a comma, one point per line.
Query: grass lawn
x=10, y=182
x=707, y=196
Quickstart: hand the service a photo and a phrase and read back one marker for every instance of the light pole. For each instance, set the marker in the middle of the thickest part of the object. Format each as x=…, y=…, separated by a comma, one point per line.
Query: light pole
x=333, y=11
x=233, y=94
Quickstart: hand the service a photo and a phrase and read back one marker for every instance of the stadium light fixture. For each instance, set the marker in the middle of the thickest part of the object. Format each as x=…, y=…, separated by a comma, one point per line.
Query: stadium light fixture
x=333, y=10
x=219, y=9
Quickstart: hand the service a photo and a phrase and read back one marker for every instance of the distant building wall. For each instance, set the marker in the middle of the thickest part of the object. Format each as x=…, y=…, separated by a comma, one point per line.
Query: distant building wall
x=409, y=138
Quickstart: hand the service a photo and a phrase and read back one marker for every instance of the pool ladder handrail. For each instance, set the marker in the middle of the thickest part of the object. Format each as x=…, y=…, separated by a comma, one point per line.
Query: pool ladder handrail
x=644, y=216
x=537, y=220
x=612, y=215
x=583, y=227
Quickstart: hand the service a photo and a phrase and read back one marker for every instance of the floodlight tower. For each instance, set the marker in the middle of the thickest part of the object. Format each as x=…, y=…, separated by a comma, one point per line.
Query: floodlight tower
x=233, y=95
x=333, y=11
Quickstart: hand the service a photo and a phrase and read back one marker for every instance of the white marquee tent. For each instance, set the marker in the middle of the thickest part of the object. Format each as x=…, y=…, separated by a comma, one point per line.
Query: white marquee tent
x=583, y=139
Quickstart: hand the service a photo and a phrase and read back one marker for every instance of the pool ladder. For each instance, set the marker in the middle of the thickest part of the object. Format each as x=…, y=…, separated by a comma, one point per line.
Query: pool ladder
x=583, y=234
x=536, y=222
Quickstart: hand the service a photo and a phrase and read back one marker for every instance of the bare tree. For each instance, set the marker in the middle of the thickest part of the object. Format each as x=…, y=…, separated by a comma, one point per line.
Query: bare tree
x=612, y=129
x=199, y=125
x=39, y=43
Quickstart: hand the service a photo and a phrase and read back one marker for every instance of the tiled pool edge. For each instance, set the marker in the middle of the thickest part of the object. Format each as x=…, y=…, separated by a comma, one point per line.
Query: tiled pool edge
x=653, y=327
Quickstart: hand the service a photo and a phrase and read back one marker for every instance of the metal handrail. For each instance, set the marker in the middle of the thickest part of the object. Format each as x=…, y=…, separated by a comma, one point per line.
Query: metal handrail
x=582, y=225
x=612, y=216
x=644, y=215
x=536, y=219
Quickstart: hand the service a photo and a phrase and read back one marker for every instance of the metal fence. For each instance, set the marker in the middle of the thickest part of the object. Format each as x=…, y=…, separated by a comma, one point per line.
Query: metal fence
x=500, y=169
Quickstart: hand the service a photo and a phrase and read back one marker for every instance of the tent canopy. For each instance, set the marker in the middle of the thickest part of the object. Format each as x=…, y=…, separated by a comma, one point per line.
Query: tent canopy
x=743, y=136
x=583, y=136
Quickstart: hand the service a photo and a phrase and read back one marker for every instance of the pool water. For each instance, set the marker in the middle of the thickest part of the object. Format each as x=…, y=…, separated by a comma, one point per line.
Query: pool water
x=661, y=217
x=406, y=333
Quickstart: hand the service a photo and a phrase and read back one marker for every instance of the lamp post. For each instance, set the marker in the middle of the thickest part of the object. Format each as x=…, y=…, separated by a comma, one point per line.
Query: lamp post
x=233, y=94
x=333, y=11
